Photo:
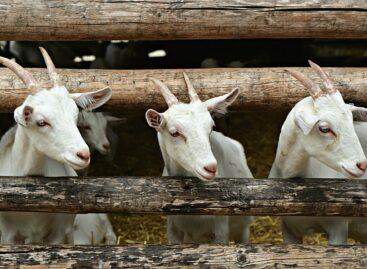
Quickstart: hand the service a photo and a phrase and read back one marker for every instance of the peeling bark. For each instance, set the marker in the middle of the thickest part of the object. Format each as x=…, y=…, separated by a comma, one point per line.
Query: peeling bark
x=186, y=256
x=172, y=195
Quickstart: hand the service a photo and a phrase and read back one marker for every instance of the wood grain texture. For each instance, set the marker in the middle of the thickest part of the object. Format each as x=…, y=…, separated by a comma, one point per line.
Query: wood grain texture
x=181, y=19
x=261, y=88
x=169, y=195
x=184, y=256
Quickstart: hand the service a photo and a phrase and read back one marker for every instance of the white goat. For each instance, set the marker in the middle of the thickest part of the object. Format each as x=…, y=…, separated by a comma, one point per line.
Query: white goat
x=45, y=141
x=318, y=139
x=357, y=225
x=96, y=130
x=92, y=229
x=191, y=148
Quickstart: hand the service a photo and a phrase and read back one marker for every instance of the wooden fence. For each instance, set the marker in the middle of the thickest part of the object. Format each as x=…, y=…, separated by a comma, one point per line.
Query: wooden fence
x=181, y=19
x=184, y=256
x=262, y=88
x=170, y=195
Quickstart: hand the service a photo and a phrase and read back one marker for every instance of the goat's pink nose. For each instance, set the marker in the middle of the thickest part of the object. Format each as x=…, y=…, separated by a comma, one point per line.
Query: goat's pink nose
x=211, y=168
x=83, y=154
x=362, y=165
x=106, y=146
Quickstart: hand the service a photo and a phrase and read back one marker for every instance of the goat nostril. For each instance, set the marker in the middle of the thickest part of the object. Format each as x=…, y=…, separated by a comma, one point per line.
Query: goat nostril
x=212, y=168
x=84, y=155
x=362, y=166
x=106, y=146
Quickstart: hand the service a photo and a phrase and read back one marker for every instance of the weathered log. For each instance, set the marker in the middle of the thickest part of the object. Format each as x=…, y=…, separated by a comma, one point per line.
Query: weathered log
x=262, y=88
x=168, y=195
x=185, y=256
x=172, y=19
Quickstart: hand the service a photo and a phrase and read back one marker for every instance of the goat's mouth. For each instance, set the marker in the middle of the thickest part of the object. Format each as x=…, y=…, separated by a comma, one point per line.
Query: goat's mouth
x=77, y=165
x=351, y=174
x=205, y=175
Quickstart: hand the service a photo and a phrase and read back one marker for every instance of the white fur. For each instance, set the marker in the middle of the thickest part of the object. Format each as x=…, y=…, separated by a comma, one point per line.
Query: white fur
x=358, y=226
x=211, y=229
x=37, y=228
x=188, y=153
x=51, y=150
x=93, y=229
x=303, y=151
x=96, y=130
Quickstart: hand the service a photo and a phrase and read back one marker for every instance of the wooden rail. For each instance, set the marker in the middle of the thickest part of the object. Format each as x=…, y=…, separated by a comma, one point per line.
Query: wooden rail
x=184, y=19
x=262, y=88
x=168, y=195
x=185, y=256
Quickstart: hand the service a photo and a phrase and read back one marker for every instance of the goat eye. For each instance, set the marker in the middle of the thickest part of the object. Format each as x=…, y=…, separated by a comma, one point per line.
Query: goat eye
x=175, y=134
x=324, y=129
x=87, y=127
x=42, y=123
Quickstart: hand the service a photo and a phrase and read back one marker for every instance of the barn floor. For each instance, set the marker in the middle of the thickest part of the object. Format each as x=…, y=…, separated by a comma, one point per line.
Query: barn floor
x=152, y=230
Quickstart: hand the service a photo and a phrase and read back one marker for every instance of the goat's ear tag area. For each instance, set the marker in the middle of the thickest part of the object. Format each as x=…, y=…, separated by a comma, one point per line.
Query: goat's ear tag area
x=359, y=113
x=23, y=115
x=305, y=121
x=218, y=105
x=154, y=119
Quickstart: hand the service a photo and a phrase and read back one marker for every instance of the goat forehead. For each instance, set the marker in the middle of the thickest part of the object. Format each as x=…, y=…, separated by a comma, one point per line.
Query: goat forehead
x=54, y=97
x=54, y=104
x=95, y=119
x=193, y=112
x=189, y=116
x=331, y=102
x=100, y=119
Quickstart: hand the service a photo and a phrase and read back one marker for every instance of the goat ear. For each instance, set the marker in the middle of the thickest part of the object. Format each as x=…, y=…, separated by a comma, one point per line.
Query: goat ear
x=154, y=119
x=114, y=121
x=305, y=120
x=23, y=114
x=218, y=105
x=359, y=113
x=92, y=100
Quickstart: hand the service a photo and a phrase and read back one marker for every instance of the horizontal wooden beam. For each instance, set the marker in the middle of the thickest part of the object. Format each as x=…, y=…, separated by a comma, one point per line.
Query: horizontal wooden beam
x=172, y=19
x=184, y=256
x=262, y=88
x=168, y=195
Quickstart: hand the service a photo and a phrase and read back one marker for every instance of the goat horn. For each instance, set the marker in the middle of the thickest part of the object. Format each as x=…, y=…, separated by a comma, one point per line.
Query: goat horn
x=51, y=68
x=167, y=94
x=311, y=86
x=23, y=74
x=328, y=84
x=190, y=88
